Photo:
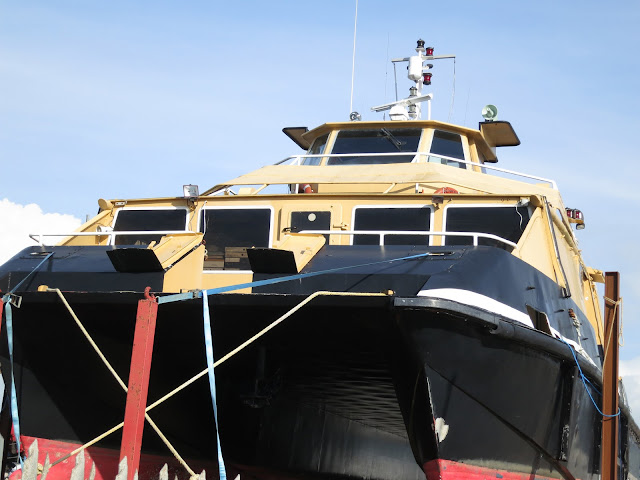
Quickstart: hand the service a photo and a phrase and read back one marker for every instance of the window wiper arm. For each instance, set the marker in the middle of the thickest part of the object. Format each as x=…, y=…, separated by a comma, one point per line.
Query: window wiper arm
x=396, y=143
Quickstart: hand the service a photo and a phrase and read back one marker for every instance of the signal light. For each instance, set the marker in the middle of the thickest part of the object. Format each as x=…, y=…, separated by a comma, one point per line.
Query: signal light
x=427, y=78
x=576, y=216
x=429, y=51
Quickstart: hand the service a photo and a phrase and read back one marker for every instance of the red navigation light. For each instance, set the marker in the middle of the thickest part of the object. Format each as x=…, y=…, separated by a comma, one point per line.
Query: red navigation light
x=571, y=213
x=429, y=51
x=427, y=78
x=578, y=215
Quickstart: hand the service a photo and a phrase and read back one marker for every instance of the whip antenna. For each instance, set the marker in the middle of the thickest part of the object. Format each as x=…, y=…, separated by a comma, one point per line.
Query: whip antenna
x=353, y=63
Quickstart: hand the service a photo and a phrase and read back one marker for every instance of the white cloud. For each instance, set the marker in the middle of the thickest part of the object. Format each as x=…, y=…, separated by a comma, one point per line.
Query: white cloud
x=630, y=373
x=18, y=221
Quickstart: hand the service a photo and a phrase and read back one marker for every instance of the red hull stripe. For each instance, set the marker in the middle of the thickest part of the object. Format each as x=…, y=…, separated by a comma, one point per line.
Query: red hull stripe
x=106, y=461
x=449, y=470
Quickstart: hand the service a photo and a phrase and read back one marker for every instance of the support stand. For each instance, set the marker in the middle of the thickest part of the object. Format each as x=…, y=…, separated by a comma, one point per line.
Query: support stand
x=138, y=387
x=610, y=375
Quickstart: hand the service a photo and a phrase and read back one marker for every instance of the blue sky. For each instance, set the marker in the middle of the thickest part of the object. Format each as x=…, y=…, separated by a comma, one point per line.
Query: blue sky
x=134, y=99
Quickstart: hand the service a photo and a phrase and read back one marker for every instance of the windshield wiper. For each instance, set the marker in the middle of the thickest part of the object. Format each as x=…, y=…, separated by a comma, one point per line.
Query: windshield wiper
x=396, y=143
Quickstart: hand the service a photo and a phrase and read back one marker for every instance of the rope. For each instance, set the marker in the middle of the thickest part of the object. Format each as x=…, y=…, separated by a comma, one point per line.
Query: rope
x=179, y=297
x=15, y=418
x=585, y=380
x=233, y=352
x=122, y=385
x=208, y=346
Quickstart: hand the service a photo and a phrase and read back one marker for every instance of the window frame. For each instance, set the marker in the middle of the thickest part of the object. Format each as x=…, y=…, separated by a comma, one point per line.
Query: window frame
x=394, y=205
x=330, y=145
x=112, y=238
x=466, y=151
x=479, y=205
x=237, y=207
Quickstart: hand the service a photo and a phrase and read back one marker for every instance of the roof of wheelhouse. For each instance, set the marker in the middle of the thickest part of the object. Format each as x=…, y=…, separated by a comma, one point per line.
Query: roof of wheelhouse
x=490, y=135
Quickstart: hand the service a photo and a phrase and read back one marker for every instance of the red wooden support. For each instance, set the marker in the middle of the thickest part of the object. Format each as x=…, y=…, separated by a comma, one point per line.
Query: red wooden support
x=138, y=382
x=610, y=374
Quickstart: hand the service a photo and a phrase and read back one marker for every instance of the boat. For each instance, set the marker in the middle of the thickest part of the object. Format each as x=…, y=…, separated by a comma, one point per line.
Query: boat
x=387, y=304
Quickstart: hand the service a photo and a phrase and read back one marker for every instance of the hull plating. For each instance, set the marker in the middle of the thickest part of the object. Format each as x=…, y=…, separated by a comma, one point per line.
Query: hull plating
x=367, y=388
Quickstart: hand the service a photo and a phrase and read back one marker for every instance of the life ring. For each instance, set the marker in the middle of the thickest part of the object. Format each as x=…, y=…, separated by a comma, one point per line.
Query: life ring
x=445, y=190
x=306, y=188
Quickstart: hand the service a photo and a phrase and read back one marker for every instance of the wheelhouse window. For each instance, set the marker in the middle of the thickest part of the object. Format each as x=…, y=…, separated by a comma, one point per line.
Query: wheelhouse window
x=392, y=218
x=228, y=232
x=381, y=140
x=316, y=149
x=151, y=219
x=446, y=147
x=506, y=222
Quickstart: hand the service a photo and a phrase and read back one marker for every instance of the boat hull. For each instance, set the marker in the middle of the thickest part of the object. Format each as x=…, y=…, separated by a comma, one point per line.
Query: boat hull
x=369, y=387
x=499, y=397
x=391, y=386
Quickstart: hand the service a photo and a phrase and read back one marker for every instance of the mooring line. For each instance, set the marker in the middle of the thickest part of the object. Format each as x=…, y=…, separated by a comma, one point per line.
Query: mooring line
x=229, y=355
x=122, y=385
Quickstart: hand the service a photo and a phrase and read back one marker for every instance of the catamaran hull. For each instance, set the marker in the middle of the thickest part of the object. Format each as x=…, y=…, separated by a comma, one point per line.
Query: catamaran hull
x=365, y=387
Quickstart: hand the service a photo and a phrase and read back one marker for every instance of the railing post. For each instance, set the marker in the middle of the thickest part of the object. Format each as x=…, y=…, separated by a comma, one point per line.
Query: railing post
x=138, y=387
x=609, y=464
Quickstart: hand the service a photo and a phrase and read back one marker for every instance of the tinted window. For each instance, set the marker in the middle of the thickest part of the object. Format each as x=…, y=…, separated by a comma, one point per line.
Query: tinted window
x=413, y=219
x=447, y=144
x=143, y=220
x=505, y=222
x=228, y=233
x=316, y=149
x=318, y=220
x=382, y=140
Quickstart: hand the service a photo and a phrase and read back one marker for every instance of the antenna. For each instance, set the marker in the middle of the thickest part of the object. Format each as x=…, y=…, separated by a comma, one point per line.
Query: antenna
x=417, y=71
x=353, y=63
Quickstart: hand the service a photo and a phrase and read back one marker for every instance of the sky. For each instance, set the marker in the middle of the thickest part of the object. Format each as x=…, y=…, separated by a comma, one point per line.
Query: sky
x=120, y=99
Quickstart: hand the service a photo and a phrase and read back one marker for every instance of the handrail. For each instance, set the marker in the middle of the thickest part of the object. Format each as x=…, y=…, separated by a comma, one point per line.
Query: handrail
x=37, y=237
x=383, y=233
x=297, y=160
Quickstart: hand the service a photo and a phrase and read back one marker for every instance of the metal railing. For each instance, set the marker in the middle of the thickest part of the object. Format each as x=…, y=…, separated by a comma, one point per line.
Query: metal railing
x=298, y=159
x=37, y=237
x=382, y=234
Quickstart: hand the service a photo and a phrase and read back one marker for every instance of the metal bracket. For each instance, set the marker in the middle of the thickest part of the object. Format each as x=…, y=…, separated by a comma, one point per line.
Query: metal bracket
x=14, y=300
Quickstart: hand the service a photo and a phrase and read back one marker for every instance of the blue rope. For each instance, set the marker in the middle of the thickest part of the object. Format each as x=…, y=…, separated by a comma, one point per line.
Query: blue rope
x=259, y=283
x=208, y=344
x=30, y=273
x=585, y=380
x=15, y=419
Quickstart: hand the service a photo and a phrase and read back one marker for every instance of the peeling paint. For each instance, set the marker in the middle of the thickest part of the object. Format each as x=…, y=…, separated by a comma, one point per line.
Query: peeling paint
x=441, y=429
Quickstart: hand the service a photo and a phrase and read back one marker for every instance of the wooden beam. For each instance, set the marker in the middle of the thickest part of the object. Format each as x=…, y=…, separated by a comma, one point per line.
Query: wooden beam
x=138, y=382
x=610, y=375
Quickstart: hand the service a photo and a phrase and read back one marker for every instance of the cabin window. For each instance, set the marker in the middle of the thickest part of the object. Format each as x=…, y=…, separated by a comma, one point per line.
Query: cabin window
x=151, y=219
x=312, y=220
x=446, y=147
x=505, y=221
x=392, y=218
x=316, y=149
x=228, y=232
x=393, y=141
